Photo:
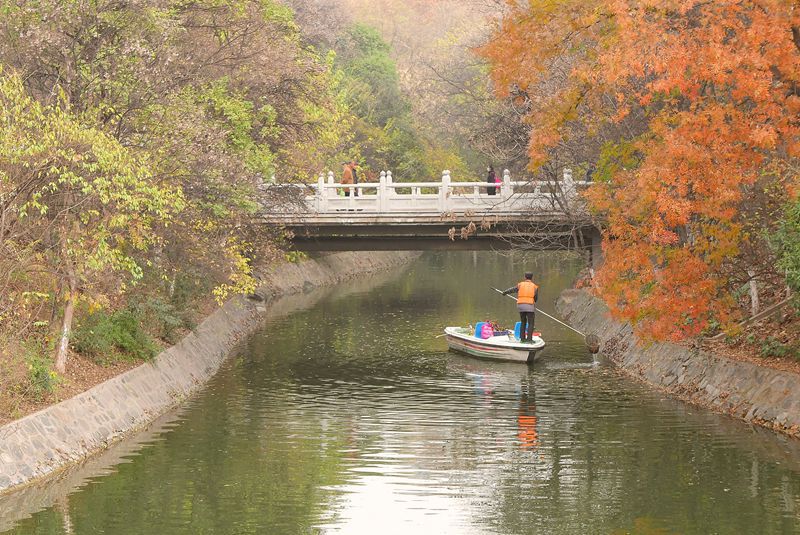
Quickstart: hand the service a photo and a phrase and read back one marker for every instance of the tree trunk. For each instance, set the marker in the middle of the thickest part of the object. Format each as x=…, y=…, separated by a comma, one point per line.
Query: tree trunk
x=755, y=305
x=66, y=325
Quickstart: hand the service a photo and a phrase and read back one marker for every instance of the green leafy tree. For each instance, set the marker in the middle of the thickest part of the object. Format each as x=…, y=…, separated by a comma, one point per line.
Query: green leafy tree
x=786, y=242
x=77, y=205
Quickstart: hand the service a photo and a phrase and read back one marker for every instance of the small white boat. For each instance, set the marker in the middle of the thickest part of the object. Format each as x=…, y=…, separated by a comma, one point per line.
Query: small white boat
x=502, y=347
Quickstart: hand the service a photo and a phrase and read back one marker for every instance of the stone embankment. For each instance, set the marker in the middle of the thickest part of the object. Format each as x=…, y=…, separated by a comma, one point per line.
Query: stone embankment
x=763, y=396
x=64, y=434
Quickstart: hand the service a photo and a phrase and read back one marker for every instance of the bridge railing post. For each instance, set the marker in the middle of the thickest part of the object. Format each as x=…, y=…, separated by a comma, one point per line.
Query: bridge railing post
x=570, y=190
x=506, y=191
x=444, y=192
x=332, y=180
x=382, y=190
x=322, y=194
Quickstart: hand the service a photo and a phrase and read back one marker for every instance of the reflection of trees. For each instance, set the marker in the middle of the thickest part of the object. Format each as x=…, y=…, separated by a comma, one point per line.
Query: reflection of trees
x=229, y=468
x=627, y=460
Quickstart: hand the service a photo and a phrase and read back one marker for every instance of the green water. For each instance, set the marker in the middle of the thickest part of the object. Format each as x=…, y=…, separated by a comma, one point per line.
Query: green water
x=352, y=417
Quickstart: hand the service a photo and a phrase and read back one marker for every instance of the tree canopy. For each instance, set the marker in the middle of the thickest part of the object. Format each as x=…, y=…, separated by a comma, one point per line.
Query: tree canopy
x=691, y=108
x=135, y=138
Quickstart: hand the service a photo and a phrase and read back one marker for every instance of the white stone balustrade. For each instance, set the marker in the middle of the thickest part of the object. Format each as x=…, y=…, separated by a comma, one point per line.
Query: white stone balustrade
x=444, y=197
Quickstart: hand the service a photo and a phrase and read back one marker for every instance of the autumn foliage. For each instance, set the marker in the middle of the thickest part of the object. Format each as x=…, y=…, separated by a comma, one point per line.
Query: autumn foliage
x=134, y=141
x=696, y=108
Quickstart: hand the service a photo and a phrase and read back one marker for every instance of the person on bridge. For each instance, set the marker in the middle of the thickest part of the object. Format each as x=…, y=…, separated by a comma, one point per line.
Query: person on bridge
x=491, y=178
x=527, y=296
x=350, y=176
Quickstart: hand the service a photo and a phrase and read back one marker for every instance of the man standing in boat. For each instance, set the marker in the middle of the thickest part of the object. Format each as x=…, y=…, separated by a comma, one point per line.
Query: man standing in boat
x=527, y=296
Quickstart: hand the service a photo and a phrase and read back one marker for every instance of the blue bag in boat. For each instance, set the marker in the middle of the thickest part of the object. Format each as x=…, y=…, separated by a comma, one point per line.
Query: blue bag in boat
x=478, y=327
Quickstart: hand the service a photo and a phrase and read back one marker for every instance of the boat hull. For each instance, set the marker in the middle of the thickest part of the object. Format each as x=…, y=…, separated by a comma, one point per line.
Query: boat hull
x=495, y=348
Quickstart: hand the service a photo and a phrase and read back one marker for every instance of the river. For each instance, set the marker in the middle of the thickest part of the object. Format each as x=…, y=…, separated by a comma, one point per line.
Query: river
x=350, y=416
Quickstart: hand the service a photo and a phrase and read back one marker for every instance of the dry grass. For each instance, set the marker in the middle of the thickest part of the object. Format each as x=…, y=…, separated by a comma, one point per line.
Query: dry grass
x=751, y=345
x=14, y=383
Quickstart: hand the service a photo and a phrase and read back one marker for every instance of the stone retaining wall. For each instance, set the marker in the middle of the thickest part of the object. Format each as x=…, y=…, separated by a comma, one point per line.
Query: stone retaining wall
x=763, y=396
x=61, y=435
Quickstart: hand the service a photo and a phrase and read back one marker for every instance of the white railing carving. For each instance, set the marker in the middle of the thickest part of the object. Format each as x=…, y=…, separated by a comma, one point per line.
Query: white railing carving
x=327, y=196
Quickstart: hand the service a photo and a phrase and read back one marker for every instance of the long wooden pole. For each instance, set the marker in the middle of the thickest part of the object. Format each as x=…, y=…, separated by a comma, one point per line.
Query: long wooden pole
x=545, y=313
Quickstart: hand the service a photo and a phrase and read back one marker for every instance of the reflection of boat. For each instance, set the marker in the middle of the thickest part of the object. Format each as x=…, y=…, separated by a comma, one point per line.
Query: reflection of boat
x=502, y=347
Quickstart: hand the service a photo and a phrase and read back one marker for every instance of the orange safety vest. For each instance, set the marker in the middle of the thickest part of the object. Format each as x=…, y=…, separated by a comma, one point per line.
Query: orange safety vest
x=526, y=292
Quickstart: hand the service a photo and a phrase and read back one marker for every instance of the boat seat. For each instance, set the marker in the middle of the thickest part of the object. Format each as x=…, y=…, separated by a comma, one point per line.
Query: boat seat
x=478, y=326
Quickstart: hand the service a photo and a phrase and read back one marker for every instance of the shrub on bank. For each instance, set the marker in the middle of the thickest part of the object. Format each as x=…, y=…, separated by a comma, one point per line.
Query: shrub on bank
x=107, y=337
x=773, y=347
x=26, y=375
x=160, y=318
x=42, y=380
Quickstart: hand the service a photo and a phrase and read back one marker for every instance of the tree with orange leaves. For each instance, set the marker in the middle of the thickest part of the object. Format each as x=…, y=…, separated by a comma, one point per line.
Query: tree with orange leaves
x=695, y=106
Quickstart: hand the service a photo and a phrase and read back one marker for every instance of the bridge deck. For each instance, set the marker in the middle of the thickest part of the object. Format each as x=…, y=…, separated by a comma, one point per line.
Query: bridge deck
x=356, y=217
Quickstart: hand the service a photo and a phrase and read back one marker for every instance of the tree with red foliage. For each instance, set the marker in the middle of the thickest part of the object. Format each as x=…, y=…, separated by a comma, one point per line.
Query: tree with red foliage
x=715, y=88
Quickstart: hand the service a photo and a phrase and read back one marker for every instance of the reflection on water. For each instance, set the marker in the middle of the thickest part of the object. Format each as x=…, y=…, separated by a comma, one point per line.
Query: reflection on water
x=352, y=417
